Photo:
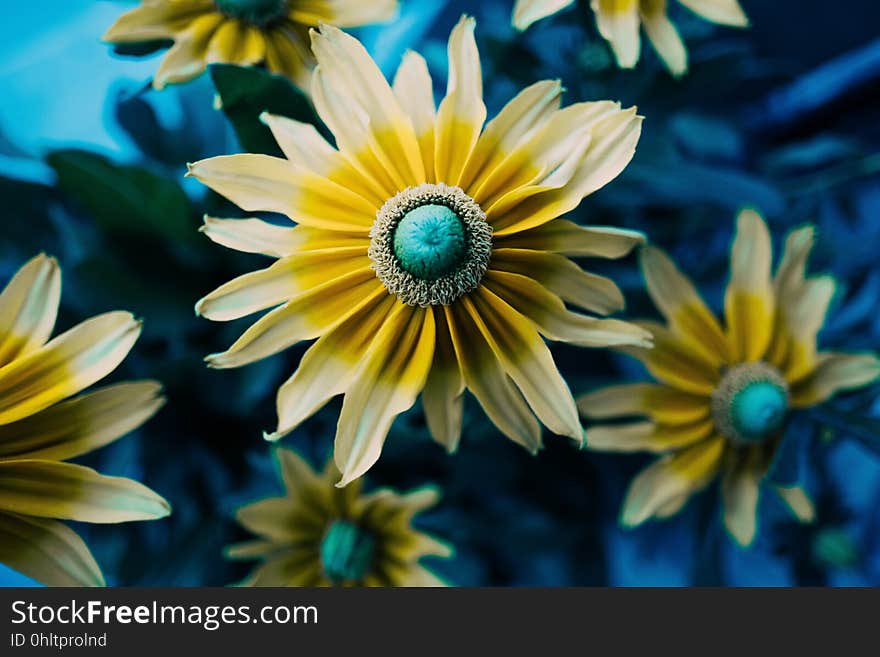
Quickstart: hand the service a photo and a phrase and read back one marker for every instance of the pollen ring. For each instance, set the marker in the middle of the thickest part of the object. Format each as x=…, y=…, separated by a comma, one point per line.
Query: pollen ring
x=751, y=403
x=430, y=244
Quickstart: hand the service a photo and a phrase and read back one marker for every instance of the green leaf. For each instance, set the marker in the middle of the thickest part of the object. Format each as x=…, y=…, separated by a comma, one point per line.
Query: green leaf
x=141, y=48
x=124, y=199
x=245, y=93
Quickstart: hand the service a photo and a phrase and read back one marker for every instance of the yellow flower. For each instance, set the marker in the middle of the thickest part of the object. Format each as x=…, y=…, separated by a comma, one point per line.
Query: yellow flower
x=39, y=430
x=619, y=22
x=243, y=32
x=429, y=256
x=320, y=535
x=725, y=393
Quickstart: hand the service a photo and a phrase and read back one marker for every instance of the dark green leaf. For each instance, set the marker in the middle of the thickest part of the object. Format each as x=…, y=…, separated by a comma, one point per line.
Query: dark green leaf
x=124, y=199
x=245, y=93
x=142, y=48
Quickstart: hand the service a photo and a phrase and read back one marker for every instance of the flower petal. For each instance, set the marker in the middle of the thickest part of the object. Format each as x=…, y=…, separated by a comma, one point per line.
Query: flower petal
x=618, y=23
x=83, y=424
x=304, y=317
x=495, y=391
x=156, y=20
x=462, y=112
x=567, y=238
x=415, y=93
x=47, y=551
x=329, y=366
x=527, y=361
x=262, y=183
x=187, y=58
x=664, y=36
x=798, y=502
x=50, y=489
x=282, y=520
x=526, y=12
x=70, y=362
x=749, y=301
x=562, y=277
x=285, y=279
x=740, y=489
x=663, y=404
x=350, y=13
x=555, y=321
x=670, y=478
x=387, y=384
x=442, y=397
x=288, y=53
x=835, y=373
x=680, y=303
x=296, y=474
x=28, y=308
x=647, y=436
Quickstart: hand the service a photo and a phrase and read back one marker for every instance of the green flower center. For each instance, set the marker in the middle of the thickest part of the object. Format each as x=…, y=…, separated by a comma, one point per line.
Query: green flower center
x=751, y=403
x=258, y=12
x=347, y=552
x=430, y=241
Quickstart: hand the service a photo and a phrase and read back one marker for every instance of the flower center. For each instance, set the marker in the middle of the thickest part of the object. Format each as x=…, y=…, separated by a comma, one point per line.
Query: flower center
x=750, y=403
x=430, y=245
x=430, y=241
x=258, y=12
x=346, y=552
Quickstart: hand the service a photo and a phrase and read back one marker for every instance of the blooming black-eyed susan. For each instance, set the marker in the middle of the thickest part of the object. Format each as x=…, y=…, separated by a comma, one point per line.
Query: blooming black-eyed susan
x=243, y=32
x=726, y=393
x=430, y=256
x=321, y=535
x=619, y=22
x=40, y=429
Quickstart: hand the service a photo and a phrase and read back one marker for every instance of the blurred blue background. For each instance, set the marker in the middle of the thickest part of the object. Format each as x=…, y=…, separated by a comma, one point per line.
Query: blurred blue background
x=783, y=117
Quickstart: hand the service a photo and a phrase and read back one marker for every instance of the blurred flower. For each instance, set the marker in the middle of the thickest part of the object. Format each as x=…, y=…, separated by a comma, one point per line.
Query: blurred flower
x=390, y=267
x=725, y=395
x=619, y=22
x=320, y=535
x=38, y=430
x=244, y=32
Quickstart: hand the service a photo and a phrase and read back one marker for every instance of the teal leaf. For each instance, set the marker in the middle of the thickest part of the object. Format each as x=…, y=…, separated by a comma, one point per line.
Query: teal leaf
x=245, y=93
x=141, y=48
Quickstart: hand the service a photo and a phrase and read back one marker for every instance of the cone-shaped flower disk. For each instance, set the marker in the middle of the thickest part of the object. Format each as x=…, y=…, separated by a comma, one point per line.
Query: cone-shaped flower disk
x=243, y=32
x=321, y=535
x=39, y=430
x=429, y=256
x=725, y=393
x=619, y=22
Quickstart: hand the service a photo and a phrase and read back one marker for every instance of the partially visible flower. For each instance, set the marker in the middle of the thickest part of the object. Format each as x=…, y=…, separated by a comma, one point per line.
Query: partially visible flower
x=243, y=32
x=619, y=22
x=39, y=430
x=321, y=535
x=726, y=394
x=430, y=256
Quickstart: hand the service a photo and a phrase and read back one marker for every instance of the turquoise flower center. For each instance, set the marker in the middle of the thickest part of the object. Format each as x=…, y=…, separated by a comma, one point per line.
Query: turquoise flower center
x=347, y=552
x=258, y=12
x=430, y=241
x=759, y=409
x=751, y=403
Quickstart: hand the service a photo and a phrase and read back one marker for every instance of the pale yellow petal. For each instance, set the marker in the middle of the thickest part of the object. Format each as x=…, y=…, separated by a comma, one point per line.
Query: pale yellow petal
x=288, y=54
x=251, y=236
x=836, y=372
x=618, y=23
x=665, y=405
x=83, y=424
x=415, y=93
x=282, y=519
x=664, y=36
x=65, y=365
x=647, y=436
x=262, y=183
x=502, y=402
x=462, y=112
x=28, y=308
x=387, y=384
x=50, y=489
x=749, y=301
x=187, y=58
x=156, y=20
x=526, y=12
x=342, y=13
x=567, y=238
x=284, y=280
x=724, y=12
x=740, y=489
x=798, y=502
x=670, y=478
x=47, y=551
x=305, y=317
x=296, y=474
x=442, y=397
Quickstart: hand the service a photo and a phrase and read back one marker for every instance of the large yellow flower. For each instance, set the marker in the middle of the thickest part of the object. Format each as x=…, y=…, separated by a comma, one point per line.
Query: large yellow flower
x=320, y=535
x=39, y=430
x=619, y=22
x=243, y=32
x=725, y=393
x=430, y=256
